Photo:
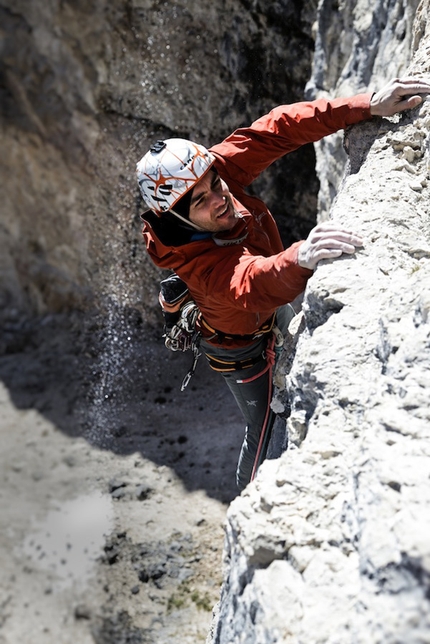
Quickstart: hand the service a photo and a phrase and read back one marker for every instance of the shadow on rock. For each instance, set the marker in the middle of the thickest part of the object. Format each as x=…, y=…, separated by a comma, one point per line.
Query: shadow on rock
x=110, y=380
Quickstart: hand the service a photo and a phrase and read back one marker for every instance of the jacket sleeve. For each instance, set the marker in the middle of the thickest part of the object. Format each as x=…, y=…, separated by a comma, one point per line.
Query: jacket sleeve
x=249, y=151
x=257, y=283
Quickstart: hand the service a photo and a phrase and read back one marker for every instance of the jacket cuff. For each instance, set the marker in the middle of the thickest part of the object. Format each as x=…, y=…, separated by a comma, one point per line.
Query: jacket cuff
x=360, y=108
x=306, y=272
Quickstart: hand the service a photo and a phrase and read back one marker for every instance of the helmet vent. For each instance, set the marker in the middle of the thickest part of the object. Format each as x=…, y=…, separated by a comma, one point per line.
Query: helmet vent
x=157, y=147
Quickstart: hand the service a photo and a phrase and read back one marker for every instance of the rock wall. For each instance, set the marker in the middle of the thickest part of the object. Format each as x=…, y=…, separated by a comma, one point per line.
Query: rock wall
x=330, y=543
x=85, y=88
x=358, y=46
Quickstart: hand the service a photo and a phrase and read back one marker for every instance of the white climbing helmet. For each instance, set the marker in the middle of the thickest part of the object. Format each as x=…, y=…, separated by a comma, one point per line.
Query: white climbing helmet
x=170, y=169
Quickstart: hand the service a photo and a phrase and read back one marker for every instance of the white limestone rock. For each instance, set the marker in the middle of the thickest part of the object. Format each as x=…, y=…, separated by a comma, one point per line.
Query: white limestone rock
x=359, y=46
x=330, y=544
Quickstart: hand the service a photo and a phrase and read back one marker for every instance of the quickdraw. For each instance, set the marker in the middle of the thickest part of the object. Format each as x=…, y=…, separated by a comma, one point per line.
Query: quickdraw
x=182, y=335
x=190, y=373
x=180, y=316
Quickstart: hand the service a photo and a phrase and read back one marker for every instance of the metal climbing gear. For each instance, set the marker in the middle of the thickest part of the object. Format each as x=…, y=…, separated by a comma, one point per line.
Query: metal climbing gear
x=180, y=316
x=182, y=335
x=190, y=373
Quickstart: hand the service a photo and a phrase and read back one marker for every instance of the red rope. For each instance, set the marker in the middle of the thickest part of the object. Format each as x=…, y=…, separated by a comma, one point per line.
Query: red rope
x=270, y=358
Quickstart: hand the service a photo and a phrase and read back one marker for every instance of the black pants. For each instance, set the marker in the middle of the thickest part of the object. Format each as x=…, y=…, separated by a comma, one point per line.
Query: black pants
x=253, y=397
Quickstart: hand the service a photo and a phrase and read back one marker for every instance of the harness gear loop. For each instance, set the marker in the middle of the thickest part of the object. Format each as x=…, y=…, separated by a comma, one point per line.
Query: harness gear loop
x=180, y=336
x=225, y=366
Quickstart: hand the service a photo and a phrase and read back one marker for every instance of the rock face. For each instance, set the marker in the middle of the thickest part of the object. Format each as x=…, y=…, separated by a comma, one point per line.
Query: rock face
x=86, y=88
x=375, y=41
x=330, y=544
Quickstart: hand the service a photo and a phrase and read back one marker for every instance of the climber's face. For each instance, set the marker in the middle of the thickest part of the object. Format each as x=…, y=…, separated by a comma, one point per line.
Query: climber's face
x=211, y=206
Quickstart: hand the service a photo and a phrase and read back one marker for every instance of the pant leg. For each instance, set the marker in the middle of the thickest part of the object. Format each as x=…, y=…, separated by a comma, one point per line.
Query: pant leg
x=278, y=442
x=253, y=400
x=252, y=397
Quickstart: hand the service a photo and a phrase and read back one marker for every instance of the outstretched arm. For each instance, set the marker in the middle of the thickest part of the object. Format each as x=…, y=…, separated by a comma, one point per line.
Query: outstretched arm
x=398, y=95
x=248, y=151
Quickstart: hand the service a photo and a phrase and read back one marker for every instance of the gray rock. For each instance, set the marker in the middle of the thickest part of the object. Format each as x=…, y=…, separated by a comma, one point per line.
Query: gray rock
x=330, y=542
x=86, y=92
x=358, y=47
x=82, y=612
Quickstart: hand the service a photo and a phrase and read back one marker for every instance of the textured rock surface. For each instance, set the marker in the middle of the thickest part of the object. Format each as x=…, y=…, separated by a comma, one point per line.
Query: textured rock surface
x=374, y=45
x=330, y=544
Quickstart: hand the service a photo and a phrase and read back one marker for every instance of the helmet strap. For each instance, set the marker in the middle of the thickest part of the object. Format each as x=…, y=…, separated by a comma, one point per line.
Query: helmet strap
x=187, y=221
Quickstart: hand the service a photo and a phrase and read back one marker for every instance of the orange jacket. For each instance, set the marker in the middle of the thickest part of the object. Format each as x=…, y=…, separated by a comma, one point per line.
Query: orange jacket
x=238, y=286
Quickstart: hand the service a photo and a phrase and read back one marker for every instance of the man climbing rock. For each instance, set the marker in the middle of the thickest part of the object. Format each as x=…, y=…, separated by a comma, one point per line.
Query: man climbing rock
x=225, y=246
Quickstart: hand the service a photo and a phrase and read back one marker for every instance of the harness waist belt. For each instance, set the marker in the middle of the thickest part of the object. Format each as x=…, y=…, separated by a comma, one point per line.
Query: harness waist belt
x=232, y=365
x=220, y=336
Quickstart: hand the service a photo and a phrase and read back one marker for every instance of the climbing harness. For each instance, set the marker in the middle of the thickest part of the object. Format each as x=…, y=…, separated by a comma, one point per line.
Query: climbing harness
x=224, y=366
x=211, y=334
x=184, y=326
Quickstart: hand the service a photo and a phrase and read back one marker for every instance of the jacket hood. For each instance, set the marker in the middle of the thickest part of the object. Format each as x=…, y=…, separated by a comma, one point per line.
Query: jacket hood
x=172, y=244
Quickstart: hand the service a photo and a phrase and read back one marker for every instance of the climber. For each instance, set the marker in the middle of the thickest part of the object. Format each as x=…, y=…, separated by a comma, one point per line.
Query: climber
x=225, y=246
